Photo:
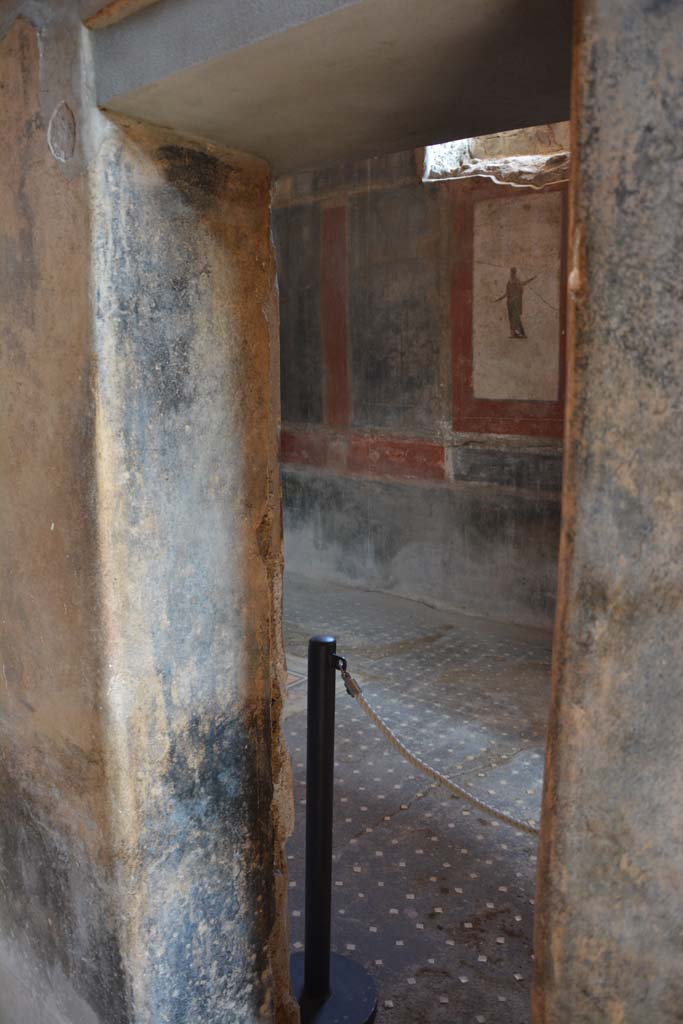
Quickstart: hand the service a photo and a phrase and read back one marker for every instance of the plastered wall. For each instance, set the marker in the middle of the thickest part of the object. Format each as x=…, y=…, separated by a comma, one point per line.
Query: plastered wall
x=421, y=438
x=143, y=785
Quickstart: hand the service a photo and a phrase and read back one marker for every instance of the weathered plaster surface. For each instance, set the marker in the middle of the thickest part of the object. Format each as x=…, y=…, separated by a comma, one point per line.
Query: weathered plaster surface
x=185, y=329
x=609, y=943
x=143, y=789
x=56, y=904
x=481, y=549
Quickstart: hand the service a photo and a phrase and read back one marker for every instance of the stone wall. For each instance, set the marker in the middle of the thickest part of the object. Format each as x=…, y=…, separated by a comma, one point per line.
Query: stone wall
x=143, y=786
x=421, y=443
x=60, y=947
x=609, y=941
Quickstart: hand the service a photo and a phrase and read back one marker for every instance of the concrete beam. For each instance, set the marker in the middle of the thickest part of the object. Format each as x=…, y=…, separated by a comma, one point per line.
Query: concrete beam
x=310, y=82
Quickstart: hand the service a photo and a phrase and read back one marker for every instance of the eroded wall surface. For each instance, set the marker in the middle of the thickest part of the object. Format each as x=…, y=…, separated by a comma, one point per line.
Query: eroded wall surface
x=60, y=947
x=421, y=441
x=609, y=942
x=143, y=793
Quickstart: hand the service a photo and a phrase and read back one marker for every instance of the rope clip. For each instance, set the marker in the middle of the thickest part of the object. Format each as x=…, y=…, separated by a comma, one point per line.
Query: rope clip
x=352, y=687
x=339, y=663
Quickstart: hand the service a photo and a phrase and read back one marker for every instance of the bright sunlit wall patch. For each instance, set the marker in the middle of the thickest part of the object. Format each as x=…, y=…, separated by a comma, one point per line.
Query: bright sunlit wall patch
x=531, y=157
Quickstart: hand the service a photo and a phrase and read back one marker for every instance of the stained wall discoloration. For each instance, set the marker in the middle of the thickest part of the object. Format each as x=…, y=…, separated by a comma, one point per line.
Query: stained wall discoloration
x=57, y=910
x=143, y=788
x=531, y=468
x=484, y=553
x=185, y=329
x=57, y=906
x=609, y=943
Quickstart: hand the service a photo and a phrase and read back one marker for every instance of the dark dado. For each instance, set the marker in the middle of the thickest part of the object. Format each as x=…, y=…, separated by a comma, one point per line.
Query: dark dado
x=529, y=469
x=477, y=549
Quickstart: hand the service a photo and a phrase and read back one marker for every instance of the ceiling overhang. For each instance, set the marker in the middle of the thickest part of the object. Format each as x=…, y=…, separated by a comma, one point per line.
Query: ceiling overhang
x=303, y=83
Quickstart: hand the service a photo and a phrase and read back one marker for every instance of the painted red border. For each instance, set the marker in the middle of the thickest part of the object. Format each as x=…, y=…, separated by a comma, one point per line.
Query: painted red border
x=484, y=415
x=304, y=447
x=365, y=454
x=334, y=317
x=388, y=456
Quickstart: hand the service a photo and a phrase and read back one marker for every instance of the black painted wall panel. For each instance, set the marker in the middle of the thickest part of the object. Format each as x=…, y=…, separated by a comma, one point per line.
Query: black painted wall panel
x=296, y=231
x=398, y=306
x=509, y=466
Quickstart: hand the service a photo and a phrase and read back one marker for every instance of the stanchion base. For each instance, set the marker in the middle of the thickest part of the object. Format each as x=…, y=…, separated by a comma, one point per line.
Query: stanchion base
x=353, y=999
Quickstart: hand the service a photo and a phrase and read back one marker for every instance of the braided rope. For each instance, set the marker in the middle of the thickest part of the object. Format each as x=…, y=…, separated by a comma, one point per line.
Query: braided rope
x=354, y=690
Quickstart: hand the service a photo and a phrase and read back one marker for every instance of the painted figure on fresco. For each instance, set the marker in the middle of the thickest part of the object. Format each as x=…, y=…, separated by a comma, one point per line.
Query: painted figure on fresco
x=514, y=293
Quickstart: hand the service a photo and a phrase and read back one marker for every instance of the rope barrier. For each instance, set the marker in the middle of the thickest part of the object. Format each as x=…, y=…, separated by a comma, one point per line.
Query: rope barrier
x=354, y=690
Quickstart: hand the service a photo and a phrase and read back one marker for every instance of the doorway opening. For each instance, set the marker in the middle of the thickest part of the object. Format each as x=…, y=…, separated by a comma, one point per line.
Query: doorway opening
x=422, y=364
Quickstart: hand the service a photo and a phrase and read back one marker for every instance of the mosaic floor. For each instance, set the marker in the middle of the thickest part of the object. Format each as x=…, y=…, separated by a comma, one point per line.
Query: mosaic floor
x=434, y=898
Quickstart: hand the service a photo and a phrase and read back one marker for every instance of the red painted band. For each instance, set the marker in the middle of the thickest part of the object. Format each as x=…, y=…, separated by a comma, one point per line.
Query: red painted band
x=408, y=458
x=304, y=447
x=384, y=456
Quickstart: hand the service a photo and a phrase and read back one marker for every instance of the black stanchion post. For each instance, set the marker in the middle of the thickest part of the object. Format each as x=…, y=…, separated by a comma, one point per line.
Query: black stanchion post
x=331, y=989
x=319, y=800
